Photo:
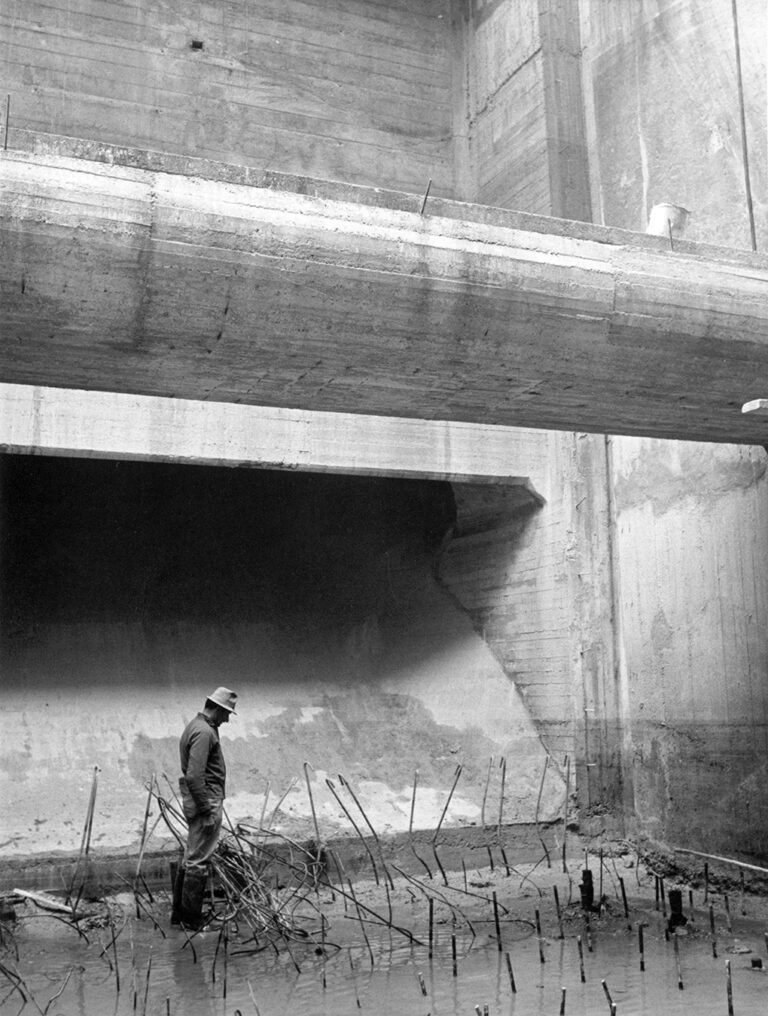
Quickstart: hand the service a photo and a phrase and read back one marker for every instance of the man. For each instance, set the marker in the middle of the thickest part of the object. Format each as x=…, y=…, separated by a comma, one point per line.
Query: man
x=202, y=787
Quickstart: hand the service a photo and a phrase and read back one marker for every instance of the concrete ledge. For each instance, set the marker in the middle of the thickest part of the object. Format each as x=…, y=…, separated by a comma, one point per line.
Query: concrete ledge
x=115, y=872
x=40, y=143
x=85, y=424
x=284, y=292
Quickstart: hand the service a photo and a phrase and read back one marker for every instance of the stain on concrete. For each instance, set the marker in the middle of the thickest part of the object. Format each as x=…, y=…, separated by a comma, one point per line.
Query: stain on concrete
x=662, y=634
x=373, y=739
x=633, y=60
x=666, y=475
x=703, y=785
x=17, y=763
x=157, y=755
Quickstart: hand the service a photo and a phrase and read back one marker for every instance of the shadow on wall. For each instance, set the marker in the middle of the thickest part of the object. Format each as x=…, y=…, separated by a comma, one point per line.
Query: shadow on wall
x=481, y=567
x=93, y=542
x=329, y=566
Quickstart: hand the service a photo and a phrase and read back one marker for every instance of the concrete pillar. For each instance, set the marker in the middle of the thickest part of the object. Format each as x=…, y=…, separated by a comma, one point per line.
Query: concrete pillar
x=567, y=152
x=522, y=143
x=598, y=697
x=586, y=478
x=689, y=519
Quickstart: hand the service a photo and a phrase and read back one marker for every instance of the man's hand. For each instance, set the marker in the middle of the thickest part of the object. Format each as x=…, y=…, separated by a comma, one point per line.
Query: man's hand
x=209, y=821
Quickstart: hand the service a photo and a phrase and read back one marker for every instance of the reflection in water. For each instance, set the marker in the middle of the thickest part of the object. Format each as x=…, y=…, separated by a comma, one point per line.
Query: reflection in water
x=269, y=982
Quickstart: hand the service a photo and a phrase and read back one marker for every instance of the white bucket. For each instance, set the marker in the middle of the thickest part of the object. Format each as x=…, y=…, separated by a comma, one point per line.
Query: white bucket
x=667, y=218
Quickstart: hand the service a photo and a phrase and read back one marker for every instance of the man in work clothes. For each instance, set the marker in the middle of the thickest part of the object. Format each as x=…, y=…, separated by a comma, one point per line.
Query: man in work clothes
x=202, y=787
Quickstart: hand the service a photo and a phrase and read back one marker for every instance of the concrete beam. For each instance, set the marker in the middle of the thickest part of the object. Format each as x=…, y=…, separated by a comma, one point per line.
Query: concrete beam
x=338, y=299
x=84, y=424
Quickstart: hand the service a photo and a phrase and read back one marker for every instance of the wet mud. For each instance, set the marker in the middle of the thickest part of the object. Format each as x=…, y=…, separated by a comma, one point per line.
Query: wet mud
x=350, y=962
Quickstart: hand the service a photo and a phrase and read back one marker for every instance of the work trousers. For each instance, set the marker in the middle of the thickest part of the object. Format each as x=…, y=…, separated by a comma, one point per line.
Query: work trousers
x=201, y=839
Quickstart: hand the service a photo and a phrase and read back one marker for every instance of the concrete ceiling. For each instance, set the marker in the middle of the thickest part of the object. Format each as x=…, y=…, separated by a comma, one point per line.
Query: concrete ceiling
x=232, y=286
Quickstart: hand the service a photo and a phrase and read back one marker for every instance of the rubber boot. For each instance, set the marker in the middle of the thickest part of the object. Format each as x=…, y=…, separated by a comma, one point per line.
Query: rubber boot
x=178, y=889
x=192, y=893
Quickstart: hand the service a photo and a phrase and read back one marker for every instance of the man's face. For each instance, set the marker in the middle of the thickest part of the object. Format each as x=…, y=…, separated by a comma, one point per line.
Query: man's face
x=222, y=716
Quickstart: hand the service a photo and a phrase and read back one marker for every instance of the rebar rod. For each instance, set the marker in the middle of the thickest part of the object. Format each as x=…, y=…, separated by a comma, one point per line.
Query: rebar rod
x=565, y=807
x=345, y=783
x=344, y=808
x=503, y=765
x=312, y=807
x=85, y=842
x=360, y=919
x=142, y=840
x=413, y=804
x=743, y=123
x=485, y=792
x=450, y=795
x=538, y=805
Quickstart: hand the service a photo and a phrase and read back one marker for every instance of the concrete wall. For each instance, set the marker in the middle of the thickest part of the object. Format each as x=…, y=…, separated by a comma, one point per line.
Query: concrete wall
x=692, y=553
x=503, y=105
x=519, y=138
x=654, y=562
x=518, y=574
x=691, y=549
x=131, y=590
x=351, y=91
x=620, y=621
x=662, y=102
x=544, y=602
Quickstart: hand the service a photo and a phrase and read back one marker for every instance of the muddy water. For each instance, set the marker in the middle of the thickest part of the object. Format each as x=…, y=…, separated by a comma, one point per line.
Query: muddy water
x=385, y=979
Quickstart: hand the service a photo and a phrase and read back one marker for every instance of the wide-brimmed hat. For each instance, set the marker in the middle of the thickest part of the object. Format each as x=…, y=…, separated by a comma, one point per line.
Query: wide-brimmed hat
x=225, y=698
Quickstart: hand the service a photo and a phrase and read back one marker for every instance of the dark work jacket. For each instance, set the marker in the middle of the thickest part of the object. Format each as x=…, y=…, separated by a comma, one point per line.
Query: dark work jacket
x=202, y=763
